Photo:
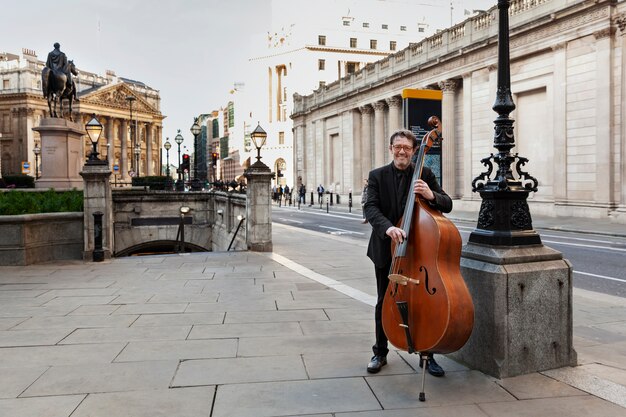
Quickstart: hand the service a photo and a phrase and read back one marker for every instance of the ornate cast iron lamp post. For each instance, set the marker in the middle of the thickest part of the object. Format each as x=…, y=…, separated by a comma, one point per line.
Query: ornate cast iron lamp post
x=259, y=136
x=130, y=100
x=179, y=182
x=37, y=152
x=94, y=129
x=167, y=145
x=504, y=218
x=195, y=131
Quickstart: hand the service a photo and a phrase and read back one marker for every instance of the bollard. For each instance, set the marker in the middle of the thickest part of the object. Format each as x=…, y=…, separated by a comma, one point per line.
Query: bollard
x=311, y=199
x=350, y=202
x=331, y=198
x=338, y=199
x=98, y=253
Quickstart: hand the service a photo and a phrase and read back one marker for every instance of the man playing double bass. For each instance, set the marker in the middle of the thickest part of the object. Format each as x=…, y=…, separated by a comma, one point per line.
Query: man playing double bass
x=388, y=188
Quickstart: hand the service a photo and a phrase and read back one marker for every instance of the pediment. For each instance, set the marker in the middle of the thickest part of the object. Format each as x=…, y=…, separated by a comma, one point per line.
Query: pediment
x=115, y=96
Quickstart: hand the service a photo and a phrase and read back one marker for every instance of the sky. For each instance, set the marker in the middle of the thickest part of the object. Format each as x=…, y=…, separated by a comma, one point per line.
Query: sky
x=192, y=51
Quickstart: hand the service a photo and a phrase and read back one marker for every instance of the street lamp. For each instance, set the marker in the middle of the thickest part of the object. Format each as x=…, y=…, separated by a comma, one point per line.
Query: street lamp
x=195, y=131
x=37, y=152
x=137, y=153
x=259, y=136
x=167, y=145
x=94, y=129
x=179, y=182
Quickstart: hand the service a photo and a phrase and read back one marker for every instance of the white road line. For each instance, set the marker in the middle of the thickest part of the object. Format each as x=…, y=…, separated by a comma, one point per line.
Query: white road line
x=324, y=280
x=342, y=230
x=289, y=220
x=600, y=276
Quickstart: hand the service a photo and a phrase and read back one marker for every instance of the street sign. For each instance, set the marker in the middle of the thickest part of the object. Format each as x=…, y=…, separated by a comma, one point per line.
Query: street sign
x=116, y=168
x=25, y=167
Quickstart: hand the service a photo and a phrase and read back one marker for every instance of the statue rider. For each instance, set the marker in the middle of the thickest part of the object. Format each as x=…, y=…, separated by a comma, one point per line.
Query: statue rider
x=57, y=61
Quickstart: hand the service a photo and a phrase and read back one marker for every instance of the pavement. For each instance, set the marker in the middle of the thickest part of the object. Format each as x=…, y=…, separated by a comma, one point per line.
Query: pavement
x=286, y=333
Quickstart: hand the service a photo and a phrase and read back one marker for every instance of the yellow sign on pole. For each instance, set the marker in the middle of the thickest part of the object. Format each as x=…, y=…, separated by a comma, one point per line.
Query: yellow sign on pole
x=25, y=167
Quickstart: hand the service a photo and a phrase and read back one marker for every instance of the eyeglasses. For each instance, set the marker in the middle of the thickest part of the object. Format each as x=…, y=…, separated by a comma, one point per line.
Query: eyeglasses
x=406, y=148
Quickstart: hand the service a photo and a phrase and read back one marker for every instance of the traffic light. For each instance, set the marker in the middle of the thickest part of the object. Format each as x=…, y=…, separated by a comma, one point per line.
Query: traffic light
x=185, y=164
x=214, y=159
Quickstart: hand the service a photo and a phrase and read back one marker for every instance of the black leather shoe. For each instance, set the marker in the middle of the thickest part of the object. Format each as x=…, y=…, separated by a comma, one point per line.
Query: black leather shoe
x=376, y=363
x=433, y=367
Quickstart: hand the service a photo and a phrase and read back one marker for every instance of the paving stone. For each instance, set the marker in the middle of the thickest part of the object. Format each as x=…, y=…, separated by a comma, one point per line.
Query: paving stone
x=269, y=346
x=94, y=310
x=181, y=402
x=231, y=306
x=59, y=406
x=293, y=398
x=151, y=308
x=79, y=301
x=59, y=355
x=311, y=328
x=341, y=365
x=114, y=377
x=239, y=370
x=180, y=319
x=76, y=322
x=11, y=338
x=554, y=407
x=588, y=382
x=437, y=411
x=9, y=323
x=178, y=350
x=531, y=386
x=16, y=380
x=127, y=334
x=275, y=316
x=402, y=391
x=245, y=330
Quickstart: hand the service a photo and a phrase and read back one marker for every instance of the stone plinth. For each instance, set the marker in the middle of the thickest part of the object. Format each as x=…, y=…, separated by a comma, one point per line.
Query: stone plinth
x=259, y=208
x=97, y=197
x=61, y=153
x=523, y=309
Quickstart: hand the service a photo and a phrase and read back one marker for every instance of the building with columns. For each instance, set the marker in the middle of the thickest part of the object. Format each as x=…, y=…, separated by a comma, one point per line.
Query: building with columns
x=312, y=44
x=568, y=80
x=22, y=106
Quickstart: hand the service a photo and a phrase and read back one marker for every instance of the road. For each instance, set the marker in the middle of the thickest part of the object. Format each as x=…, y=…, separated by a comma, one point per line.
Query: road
x=598, y=260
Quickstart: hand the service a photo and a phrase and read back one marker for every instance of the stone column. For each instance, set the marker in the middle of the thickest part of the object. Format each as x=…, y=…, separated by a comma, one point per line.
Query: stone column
x=467, y=138
x=110, y=130
x=357, y=156
x=620, y=214
x=395, y=120
x=124, y=147
x=448, y=151
x=605, y=179
x=149, y=138
x=366, y=139
x=259, y=208
x=97, y=197
x=380, y=142
x=560, y=122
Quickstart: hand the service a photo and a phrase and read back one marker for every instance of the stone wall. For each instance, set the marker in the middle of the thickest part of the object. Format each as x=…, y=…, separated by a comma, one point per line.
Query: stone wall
x=35, y=238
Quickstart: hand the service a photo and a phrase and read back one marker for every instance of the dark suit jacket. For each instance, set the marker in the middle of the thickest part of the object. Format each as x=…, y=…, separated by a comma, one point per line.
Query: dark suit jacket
x=382, y=211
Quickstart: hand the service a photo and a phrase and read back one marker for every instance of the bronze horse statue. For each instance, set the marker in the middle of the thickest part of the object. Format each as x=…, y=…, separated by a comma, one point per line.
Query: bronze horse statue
x=55, y=88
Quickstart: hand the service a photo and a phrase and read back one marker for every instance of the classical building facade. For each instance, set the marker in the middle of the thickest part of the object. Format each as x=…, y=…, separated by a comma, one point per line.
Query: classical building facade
x=568, y=79
x=22, y=106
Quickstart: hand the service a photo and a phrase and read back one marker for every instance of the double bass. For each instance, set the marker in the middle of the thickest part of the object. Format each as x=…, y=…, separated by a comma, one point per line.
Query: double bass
x=427, y=307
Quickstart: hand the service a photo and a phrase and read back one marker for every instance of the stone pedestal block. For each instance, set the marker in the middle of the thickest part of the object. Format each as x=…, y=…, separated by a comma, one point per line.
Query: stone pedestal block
x=523, y=309
x=61, y=153
x=97, y=197
x=259, y=208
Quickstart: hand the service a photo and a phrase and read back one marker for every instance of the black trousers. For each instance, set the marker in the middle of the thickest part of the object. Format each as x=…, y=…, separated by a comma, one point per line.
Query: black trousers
x=381, y=348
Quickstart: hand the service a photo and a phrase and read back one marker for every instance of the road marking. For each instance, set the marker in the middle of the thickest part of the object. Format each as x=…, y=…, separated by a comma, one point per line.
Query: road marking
x=342, y=230
x=289, y=220
x=600, y=276
x=324, y=280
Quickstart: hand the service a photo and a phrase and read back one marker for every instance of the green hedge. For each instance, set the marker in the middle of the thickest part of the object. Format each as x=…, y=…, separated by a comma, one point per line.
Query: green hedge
x=50, y=201
x=17, y=181
x=155, y=182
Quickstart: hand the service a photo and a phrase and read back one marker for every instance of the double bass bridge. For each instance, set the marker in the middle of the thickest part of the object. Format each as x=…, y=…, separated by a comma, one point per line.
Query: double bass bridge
x=403, y=280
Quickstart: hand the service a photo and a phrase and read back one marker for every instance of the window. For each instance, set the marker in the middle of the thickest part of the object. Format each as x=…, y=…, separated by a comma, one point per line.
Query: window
x=321, y=64
x=366, y=25
x=321, y=40
x=322, y=84
x=403, y=28
x=420, y=29
x=352, y=67
x=385, y=26
x=346, y=23
x=392, y=45
x=352, y=42
x=5, y=84
x=373, y=44
x=281, y=138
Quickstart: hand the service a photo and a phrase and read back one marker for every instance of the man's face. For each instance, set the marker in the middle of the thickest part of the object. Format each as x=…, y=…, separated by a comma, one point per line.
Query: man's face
x=402, y=151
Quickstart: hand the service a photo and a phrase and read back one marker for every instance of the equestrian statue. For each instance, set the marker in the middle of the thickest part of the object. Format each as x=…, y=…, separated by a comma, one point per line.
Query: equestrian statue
x=57, y=82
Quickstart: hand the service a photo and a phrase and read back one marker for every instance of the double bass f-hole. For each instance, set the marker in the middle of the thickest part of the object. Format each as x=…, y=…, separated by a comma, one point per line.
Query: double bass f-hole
x=428, y=289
